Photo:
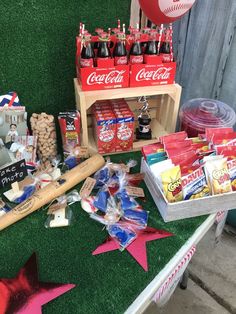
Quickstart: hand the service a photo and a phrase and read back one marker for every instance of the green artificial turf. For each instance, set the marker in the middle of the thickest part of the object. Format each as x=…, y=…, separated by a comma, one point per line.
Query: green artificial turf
x=106, y=283
x=37, y=55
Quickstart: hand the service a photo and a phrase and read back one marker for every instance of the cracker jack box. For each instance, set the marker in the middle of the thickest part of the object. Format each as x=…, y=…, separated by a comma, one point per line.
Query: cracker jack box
x=105, y=75
x=124, y=125
x=104, y=126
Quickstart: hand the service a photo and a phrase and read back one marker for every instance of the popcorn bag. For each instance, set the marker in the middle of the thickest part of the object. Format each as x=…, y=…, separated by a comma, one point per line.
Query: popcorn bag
x=43, y=126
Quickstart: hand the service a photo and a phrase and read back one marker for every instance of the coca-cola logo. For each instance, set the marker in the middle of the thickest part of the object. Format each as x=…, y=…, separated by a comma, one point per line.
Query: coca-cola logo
x=166, y=57
x=157, y=75
x=121, y=60
x=86, y=63
x=112, y=77
x=136, y=59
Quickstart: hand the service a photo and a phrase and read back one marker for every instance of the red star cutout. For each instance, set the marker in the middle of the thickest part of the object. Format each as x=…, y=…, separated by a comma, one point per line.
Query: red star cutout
x=138, y=247
x=25, y=294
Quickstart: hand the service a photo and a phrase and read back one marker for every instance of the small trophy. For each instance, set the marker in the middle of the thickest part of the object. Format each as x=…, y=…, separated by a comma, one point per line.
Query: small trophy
x=144, y=132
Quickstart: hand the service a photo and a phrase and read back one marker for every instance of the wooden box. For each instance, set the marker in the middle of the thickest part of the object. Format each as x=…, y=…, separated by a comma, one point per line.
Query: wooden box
x=164, y=106
x=185, y=209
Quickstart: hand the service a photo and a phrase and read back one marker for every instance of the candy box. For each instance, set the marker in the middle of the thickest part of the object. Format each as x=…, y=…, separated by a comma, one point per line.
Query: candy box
x=104, y=126
x=125, y=131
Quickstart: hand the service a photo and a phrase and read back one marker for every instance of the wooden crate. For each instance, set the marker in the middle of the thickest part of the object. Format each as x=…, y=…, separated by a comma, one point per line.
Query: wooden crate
x=164, y=106
x=185, y=209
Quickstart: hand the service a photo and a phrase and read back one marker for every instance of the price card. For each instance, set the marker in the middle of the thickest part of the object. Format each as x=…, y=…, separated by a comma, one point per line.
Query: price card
x=87, y=187
x=134, y=191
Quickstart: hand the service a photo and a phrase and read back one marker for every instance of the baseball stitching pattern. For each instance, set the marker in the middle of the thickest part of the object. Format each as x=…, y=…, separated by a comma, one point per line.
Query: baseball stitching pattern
x=177, y=7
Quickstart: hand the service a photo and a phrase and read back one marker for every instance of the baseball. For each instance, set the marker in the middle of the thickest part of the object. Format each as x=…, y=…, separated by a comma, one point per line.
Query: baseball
x=175, y=8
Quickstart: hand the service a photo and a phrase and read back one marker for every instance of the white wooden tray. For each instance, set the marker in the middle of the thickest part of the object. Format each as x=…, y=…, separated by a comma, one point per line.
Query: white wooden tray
x=185, y=209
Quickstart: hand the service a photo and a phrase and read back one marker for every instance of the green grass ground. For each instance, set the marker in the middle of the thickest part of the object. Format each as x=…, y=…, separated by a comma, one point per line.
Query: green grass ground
x=106, y=283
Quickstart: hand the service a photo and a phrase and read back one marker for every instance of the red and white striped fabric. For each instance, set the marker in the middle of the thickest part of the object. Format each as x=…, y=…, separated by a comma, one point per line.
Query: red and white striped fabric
x=176, y=274
x=220, y=215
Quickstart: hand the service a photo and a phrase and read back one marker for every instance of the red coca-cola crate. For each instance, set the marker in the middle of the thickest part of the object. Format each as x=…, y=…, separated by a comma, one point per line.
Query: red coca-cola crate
x=105, y=75
x=152, y=74
x=104, y=78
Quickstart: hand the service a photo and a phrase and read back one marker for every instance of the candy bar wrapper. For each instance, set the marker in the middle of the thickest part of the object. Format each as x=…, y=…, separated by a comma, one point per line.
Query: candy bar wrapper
x=102, y=176
x=122, y=233
x=217, y=174
x=126, y=202
x=171, y=182
x=101, y=200
x=137, y=217
x=10, y=99
x=70, y=131
x=194, y=185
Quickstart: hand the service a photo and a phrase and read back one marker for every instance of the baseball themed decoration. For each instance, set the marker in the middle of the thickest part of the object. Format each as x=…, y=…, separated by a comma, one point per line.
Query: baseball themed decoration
x=165, y=11
x=10, y=99
x=53, y=190
x=137, y=249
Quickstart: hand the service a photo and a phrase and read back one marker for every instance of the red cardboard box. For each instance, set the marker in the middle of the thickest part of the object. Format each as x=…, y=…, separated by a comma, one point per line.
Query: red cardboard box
x=150, y=74
x=105, y=75
x=105, y=132
x=124, y=131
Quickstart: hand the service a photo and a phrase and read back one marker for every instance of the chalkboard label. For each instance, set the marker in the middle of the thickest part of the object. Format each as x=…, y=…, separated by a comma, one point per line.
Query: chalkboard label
x=14, y=172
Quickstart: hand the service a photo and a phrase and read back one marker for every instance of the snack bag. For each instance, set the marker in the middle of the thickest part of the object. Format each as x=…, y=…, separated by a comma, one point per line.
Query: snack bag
x=154, y=158
x=184, y=144
x=179, y=136
x=217, y=174
x=232, y=172
x=159, y=167
x=171, y=181
x=210, y=132
x=224, y=139
x=194, y=185
x=152, y=149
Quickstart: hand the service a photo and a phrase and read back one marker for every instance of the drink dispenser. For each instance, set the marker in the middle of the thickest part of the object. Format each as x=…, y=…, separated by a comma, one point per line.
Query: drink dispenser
x=198, y=114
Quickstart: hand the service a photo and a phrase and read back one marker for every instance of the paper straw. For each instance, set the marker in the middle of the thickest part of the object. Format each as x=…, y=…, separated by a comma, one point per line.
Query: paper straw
x=124, y=28
x=80, y=28
x=171, y=43
x=160, y=37
x=118, y=23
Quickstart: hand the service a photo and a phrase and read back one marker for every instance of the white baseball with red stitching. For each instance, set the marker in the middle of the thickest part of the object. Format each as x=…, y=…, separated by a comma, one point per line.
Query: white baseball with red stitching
x=175, y=8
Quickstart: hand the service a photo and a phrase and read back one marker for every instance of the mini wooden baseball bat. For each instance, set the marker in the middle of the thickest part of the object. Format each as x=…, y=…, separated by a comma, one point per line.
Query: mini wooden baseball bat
x=53, y=190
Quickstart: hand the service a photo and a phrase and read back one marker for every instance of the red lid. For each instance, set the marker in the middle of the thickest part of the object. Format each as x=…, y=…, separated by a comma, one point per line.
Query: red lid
x=199, y=114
